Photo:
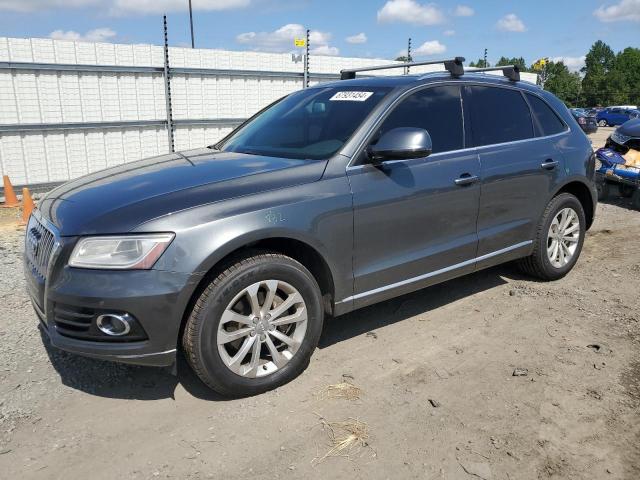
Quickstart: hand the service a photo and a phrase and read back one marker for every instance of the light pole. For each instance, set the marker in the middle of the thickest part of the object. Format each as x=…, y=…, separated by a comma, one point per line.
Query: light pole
x=191, y=23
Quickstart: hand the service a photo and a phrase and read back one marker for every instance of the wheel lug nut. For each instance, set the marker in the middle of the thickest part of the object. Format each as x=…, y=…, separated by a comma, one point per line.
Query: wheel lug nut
x=253, y=334
x=268, y=316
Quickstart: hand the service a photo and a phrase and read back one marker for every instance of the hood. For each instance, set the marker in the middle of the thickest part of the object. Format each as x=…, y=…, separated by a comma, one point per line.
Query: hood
x=630, y=128
x=118, y=199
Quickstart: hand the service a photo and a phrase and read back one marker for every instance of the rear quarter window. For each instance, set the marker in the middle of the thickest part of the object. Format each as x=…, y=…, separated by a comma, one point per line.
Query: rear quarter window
x=544, y=118
x=498, y=115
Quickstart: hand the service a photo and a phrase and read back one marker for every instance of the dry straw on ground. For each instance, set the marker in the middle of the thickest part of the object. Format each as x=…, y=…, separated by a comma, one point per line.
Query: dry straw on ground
x=347, y=438
x=343, y=390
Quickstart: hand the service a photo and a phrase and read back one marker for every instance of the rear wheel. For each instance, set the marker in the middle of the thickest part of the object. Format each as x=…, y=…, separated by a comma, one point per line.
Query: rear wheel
x=255, y=326
x=603, y=123
x=559, y=239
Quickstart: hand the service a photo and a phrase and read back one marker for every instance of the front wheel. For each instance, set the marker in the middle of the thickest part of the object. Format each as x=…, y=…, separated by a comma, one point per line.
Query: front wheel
x=559, y=239
x=603, y=123
x=255, y=326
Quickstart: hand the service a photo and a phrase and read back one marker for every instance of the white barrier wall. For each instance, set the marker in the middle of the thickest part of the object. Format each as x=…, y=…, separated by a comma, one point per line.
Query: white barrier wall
x=56, y=96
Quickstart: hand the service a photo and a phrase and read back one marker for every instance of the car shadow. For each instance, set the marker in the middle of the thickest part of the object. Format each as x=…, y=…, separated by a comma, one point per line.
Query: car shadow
x=406, y=306
x=119, y=380
x=122, y=381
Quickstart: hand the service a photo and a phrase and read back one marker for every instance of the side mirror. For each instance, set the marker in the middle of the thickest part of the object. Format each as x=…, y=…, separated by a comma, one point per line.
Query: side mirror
x=400, y=144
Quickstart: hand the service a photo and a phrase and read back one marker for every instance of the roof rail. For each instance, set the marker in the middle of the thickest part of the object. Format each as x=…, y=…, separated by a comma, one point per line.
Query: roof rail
x=453, y=66
x=512, y=72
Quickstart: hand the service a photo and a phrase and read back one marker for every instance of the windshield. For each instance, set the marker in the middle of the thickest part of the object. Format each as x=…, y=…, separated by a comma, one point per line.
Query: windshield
x=309, y=124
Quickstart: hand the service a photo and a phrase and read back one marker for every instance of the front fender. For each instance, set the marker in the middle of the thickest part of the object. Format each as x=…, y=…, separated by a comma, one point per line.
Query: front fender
x=319, y=215
x=582, y=188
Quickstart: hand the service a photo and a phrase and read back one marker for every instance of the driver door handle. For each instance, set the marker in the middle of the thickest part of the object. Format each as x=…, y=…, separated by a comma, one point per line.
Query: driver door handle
x=466, y=179
x=549, y=164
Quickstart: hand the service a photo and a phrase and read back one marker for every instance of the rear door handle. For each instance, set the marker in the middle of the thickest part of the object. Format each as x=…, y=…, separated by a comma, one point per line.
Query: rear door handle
x=549, y=164
x=466, y=179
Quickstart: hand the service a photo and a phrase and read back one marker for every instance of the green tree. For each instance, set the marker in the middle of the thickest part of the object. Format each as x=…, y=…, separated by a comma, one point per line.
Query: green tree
x=598, y=63
x=517, y=61
x=562, y=83
x=480, y=64
x=622, y=84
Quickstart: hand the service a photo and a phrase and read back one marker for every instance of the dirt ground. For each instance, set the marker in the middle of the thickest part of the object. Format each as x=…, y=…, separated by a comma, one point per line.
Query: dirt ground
x=438, y=400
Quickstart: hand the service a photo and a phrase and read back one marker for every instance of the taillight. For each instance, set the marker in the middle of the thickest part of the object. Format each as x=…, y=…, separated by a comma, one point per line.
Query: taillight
x=582, y=120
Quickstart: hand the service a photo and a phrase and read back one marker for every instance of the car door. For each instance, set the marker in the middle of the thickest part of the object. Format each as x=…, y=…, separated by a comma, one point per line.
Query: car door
x=520, y=165
x=618, y=116
x=413, y=225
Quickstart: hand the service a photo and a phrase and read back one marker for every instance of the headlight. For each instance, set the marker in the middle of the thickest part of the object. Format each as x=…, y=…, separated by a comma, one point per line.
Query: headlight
x=126, y=252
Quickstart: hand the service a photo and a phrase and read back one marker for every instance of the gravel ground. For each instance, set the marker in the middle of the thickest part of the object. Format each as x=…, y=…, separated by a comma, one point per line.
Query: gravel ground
x=438, y=400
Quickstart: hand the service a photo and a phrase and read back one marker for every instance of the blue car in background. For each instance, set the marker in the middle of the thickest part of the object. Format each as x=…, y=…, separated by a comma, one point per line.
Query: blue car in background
x=612, y=116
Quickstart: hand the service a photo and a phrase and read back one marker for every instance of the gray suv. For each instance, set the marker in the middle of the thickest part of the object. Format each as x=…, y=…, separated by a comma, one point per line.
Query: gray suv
x=332, y=198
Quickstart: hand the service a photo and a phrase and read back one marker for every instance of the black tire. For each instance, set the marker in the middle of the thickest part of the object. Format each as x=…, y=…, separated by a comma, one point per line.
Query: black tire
x=626, y=191
x=200, y=332
x=538, y=263
x=604, y=190
x=635, y=199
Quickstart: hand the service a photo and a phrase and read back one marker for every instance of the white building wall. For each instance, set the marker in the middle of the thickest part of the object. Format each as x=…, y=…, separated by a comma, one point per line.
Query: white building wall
x=50, y=96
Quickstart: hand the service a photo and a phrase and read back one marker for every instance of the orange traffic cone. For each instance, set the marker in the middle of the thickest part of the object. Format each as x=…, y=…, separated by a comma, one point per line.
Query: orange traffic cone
x=27, y=206
x=10, y=199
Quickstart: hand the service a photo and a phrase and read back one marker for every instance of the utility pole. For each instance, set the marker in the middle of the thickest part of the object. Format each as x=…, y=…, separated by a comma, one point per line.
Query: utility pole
x=167, y=88
x=305, y=79
x=485, y=58
x=193, y=45
x=409, y=59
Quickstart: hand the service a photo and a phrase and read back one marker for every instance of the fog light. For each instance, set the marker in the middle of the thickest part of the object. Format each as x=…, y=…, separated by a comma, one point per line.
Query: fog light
x=114, y=324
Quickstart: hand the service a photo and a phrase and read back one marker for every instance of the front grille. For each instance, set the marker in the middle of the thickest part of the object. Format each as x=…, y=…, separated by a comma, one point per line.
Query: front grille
x=39, y=243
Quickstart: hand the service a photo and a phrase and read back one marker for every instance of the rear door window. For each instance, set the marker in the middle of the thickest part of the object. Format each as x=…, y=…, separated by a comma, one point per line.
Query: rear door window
x=498, y=115
x=544, y=119
x=438, y=110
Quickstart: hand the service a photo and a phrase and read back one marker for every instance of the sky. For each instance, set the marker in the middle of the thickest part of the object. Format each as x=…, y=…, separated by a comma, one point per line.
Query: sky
x=558, y=29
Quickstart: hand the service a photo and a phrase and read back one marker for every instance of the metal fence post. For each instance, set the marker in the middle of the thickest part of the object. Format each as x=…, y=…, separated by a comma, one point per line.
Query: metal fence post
x=167, y=88
x=305, y=78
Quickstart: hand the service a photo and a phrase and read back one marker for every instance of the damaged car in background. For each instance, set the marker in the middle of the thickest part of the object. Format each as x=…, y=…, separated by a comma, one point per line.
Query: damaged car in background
x=618, y=163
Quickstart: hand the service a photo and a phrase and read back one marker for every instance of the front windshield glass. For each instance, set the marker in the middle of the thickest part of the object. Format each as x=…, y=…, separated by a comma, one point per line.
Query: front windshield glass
x=310, y=124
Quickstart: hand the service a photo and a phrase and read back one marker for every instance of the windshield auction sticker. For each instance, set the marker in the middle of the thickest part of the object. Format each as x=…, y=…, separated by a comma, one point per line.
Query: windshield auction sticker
x=350, y=96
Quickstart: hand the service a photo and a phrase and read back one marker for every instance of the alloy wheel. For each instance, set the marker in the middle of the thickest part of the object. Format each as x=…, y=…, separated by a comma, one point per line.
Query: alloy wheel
x=563, y=237
x=262, y=328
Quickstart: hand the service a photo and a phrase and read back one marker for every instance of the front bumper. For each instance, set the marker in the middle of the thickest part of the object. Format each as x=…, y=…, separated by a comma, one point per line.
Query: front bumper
x=156, y=299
